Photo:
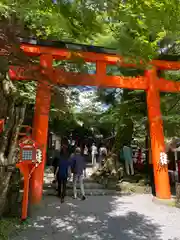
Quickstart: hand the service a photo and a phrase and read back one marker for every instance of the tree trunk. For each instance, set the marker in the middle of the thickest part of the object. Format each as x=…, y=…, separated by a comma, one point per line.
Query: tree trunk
x=124, y=134
x=13, y=116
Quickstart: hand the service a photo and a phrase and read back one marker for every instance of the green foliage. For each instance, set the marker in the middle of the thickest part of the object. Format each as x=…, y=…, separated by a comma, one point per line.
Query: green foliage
x=170, y=105
x=171, y=75
x=70, y=20
x=139, y=26
x=64, y=125
x=139, y=29
x=26, y=92
x=75, y=21
x=134, y=28
x=7, y=226
x=132, y=105
x=127, y=110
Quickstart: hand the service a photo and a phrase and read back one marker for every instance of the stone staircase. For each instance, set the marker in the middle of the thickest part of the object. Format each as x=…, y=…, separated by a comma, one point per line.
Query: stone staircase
x=91, y=187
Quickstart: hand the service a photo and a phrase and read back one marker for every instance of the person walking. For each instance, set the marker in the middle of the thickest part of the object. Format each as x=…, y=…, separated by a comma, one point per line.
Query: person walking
x=55, y=164
x=94, y=154
x=127, y=152
x=85, y=153
x=78, y=167
x=62, y=173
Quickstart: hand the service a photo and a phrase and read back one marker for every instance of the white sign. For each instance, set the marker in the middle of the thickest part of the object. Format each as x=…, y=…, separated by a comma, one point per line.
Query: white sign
x=163, y=158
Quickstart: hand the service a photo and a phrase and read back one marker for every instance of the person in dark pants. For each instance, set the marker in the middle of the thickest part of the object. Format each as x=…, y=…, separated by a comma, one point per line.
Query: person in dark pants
x=151, y=174
x=55, y=164
x=149, y=166
x=62, y=173
x=78, y=166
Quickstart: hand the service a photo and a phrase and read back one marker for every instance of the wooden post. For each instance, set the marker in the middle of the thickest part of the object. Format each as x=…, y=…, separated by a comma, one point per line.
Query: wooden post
x=25, y=170
x=157, y=136
x=40, y=129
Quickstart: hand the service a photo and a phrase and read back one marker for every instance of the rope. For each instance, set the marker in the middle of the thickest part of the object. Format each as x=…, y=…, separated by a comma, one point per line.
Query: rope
x=32, y=170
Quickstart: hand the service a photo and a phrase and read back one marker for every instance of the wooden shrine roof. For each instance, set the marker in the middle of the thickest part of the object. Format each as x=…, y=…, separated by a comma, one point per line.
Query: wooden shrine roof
x=85, y=48
x=69, y=45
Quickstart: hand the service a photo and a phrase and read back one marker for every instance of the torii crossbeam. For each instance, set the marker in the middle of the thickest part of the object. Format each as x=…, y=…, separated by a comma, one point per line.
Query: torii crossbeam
x=46, y=75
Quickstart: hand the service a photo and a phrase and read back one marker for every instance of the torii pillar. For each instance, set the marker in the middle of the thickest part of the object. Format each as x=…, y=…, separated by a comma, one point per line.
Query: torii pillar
x=40, y=129
x=161, y=177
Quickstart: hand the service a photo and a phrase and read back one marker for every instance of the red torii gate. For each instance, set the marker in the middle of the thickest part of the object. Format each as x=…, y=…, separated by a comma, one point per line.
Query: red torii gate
x=48, y=51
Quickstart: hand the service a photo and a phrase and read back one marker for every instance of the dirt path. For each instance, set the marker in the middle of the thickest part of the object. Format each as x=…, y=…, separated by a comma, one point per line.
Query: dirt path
x=133, y=217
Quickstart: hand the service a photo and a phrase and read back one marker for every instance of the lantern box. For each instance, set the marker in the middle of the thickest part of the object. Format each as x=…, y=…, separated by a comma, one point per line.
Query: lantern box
x=28, y=150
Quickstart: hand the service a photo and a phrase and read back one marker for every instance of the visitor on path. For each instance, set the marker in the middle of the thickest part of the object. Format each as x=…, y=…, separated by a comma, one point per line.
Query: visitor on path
x=151, y=173
x=55, y=164
x=94, y=153
x=139, y=161
x=78, y=168
x=102, y=155
x=85, y=153
x=149, y=165
x=62, y=173
x=127, y=152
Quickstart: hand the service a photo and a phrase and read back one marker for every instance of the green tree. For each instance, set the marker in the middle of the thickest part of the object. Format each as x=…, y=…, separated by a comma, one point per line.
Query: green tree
x=141, y=26
x=142, y=30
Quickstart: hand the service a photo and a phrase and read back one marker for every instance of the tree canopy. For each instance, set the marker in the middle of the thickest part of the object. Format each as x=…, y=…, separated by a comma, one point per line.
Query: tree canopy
x=141, y=28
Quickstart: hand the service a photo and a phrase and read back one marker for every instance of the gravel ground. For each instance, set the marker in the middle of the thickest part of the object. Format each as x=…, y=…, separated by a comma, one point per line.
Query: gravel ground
x=133, y=217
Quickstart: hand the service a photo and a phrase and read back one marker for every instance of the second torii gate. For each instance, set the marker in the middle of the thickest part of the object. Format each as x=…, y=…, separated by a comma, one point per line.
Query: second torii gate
x=48, y=51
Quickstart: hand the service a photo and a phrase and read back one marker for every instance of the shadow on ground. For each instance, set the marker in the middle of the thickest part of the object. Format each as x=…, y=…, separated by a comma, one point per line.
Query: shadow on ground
x=98, y=218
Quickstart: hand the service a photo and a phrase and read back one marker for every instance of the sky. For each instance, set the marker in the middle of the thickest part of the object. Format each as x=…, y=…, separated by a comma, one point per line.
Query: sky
x=88, y=99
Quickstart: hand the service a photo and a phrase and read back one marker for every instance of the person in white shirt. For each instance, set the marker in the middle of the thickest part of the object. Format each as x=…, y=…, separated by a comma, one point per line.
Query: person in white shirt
x=94, y=154
x=85, y=152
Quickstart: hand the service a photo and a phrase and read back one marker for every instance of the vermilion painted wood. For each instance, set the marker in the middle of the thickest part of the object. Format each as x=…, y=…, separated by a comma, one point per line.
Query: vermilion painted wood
x=167, y=86
x=157, y=136
x=94, y=57
x=68, y=78
x=40, y=130
x=25, y=169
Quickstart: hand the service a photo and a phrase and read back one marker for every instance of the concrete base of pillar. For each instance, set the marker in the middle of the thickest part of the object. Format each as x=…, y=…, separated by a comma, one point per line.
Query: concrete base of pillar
x=167, y=202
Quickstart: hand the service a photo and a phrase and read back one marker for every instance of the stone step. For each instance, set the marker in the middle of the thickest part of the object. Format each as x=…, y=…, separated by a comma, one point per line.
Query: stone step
x=89, y=192
x=50, y=179
x=87, y=185
x=86, y=180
